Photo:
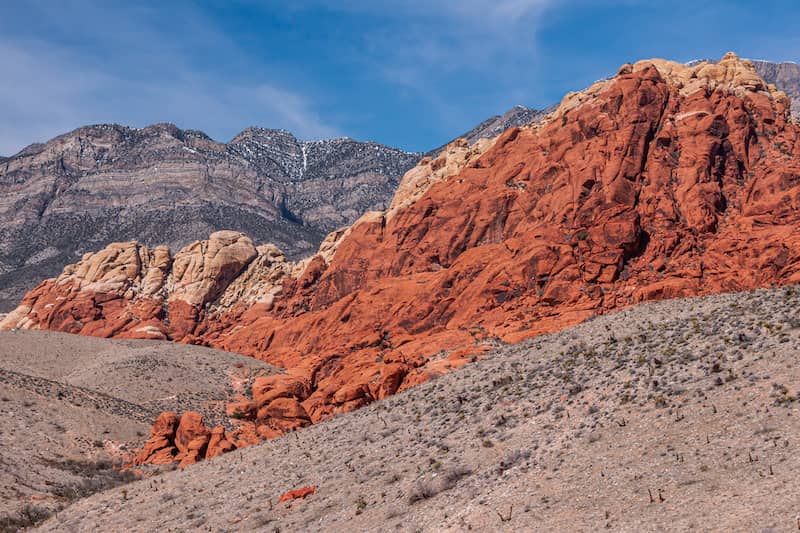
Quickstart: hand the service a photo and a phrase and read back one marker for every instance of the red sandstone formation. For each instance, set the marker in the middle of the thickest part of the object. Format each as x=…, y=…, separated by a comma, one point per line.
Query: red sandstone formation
x=184, y=440
x=300, y=493
x=160, y=448
x=661, y=182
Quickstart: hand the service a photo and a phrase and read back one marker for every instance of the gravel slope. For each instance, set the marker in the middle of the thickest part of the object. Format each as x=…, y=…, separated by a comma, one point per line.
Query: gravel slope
x=69, y=404
x=675, y=416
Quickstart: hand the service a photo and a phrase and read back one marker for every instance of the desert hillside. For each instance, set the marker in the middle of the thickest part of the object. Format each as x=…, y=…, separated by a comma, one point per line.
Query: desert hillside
x=74, y=406
x=675, y=416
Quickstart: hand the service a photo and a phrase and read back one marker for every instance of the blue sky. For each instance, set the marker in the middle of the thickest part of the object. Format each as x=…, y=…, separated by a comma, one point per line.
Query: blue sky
x=411, y=73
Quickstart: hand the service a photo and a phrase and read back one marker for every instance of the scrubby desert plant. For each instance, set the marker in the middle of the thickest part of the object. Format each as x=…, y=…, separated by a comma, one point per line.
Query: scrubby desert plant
x=96, y=476
x=27, y=516
x=424, y=488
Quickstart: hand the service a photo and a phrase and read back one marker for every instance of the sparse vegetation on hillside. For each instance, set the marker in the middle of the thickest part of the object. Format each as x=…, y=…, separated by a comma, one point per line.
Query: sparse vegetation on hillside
x=660, y=414
x=69, y=404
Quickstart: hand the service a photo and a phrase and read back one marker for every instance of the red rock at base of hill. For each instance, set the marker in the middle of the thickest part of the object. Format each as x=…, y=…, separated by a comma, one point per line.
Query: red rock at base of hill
x=295, y=494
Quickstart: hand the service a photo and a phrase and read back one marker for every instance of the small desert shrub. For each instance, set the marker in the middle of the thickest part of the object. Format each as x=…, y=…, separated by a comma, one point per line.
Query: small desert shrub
x=453, y=475
x=393, y=478
x=361, y=504
x=511, y=459
x=27, y=516
x=424, y=489
x=97, y=476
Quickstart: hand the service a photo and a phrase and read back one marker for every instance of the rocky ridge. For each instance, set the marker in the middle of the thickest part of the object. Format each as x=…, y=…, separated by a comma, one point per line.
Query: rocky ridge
x=516, y=117
x=664, y=181
x=163, y=185
x=785, y=76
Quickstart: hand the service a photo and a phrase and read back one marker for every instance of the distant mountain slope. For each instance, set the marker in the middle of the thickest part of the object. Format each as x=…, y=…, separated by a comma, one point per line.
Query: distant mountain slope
x=160, y=184
x=492, y=127
x=517, y=116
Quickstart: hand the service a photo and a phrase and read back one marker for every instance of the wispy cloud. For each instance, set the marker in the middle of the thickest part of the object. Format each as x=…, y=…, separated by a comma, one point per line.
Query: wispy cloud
x=40, y=95
x=292, y=110
x=479, y=11
x=452, y=34
x=411, y=73
x=130, y=69
x=422, y=45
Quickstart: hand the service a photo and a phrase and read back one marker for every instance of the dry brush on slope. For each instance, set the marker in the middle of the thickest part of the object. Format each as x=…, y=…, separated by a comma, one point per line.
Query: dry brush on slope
x=675, y=416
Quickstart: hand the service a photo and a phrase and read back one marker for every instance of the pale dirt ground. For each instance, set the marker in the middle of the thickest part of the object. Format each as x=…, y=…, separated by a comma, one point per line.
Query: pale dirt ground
x=68, y=404
x=692, y=401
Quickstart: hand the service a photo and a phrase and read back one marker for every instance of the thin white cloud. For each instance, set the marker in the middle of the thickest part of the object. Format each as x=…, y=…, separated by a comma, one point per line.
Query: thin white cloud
x=505, y=12
x=291, y=110
x=40, y=96
x=135, y=67
x=479, y=11
x=442, y=39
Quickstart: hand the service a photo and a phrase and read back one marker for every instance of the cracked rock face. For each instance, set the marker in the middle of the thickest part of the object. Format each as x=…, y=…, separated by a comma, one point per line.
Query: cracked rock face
x=784, y=76
x=664, y=181
x=162, y=185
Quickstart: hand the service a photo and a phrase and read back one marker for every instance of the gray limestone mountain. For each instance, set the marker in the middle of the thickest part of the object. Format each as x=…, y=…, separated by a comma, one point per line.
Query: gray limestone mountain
x=160, y=184
x=517, y=116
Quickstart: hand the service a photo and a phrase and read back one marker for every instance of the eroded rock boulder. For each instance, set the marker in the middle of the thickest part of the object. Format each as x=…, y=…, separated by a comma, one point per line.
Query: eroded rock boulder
x=218, y=443
x=296, y=494
x=160, y=448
